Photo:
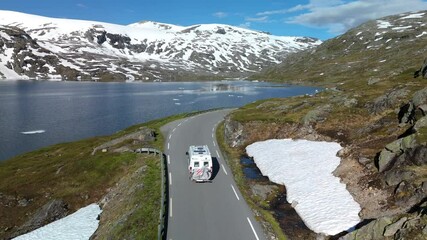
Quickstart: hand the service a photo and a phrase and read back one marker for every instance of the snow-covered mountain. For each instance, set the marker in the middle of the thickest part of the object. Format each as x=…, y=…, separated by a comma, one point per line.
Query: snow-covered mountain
x=40, y=47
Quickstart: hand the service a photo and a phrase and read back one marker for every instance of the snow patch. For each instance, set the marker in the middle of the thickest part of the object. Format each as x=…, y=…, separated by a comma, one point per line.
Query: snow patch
x=33, y=132
x=306, y=167
x=413, y=15
x=383, y=24
x=77, y=226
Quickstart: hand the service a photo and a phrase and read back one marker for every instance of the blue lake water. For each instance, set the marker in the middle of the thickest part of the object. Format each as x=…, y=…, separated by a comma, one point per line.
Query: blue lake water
x=34, y=114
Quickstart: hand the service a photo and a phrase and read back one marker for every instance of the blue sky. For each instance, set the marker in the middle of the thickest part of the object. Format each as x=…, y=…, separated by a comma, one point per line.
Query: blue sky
x=322, y=19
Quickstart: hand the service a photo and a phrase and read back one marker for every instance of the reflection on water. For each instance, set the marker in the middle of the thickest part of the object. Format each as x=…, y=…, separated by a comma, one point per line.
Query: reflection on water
x=68, y=111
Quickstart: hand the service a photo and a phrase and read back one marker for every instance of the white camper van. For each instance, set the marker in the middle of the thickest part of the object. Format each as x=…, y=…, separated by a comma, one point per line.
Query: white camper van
x=199, y=163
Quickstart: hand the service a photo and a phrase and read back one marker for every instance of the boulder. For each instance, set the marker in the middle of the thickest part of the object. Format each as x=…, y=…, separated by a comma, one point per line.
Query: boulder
x=51, y=211
x=422, y=71
x=317, y=115
x=386, y=101
x=234, y=134
x=391, y=229
x=385, y=159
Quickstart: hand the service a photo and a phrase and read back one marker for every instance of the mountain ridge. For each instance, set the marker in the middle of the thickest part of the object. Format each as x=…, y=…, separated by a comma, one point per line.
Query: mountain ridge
x=147, y=50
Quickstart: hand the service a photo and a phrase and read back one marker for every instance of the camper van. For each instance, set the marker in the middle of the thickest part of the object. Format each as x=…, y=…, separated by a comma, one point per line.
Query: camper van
x=199, y=163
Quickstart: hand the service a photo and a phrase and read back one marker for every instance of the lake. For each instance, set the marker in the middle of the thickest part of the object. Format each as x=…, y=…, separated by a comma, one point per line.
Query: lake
x=34, y=114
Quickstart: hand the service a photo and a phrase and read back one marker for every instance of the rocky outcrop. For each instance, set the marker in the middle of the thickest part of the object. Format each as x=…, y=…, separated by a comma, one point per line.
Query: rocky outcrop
x=143, y=135
x=387, y=101
x=234, y=135
x=402, y=162
x=51, y=211
x=408, y=226
x=422, y=71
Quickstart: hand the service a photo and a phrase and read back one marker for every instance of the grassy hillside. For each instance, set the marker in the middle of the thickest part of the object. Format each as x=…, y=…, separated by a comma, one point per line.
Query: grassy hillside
x=372, y=105
x=44, y=185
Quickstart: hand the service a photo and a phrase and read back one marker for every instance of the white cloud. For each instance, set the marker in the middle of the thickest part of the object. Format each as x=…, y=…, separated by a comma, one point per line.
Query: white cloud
x=220, y=14
x=259, y=19
x=339, y=16
x=246, y=25
x=81, y=5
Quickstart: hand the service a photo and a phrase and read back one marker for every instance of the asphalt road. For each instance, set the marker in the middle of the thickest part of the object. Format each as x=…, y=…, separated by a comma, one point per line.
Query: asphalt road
x=203, y=211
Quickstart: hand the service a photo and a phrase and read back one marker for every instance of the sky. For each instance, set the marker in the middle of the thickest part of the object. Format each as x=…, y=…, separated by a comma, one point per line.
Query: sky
x=323, y=19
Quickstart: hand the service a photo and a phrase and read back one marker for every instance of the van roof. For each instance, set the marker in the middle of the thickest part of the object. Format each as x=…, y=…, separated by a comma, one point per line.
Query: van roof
x=202, y=150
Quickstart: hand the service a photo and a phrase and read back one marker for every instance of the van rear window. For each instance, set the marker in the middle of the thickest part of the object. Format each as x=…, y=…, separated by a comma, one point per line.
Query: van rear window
x=206, y=164
x=196, y=164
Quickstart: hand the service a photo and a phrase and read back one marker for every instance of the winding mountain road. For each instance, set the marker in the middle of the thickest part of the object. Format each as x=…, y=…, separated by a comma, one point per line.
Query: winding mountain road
x=204, y=211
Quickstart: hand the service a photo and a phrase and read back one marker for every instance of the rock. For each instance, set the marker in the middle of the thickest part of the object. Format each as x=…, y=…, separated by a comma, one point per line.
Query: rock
x=51, y=211
x=391, y=229
x=349, y=103
x=420, y=123
x=263, y=190
x=317, y=115
x=385, y=160
x=396, y=176
x=386, y=101
x=142, y=135
x=422, y=71
x=372, y=230
x=23, y=202
x=234, y=134
x=364, y=161
x=395, y=147
x=420, y=97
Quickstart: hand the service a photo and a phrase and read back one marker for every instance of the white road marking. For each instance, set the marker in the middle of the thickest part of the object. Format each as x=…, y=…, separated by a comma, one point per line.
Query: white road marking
x=214, y=144
x=234, y=190
x=253, y=229
x=170, y=136
x=173, y=130
x=223, y=168
x=170, y=179
x=169, y=160
x=212, y=135
x=217, y=153
x=179, y=124
x=170, y=207
x=168, y=146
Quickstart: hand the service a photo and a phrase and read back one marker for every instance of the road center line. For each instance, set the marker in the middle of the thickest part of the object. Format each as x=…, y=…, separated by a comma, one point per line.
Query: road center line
x=234, y=190
x=168, y=146
x=179, y=124
x=170, y=207
x=217, y=153
x=173, y=130
x=169, y=160
x=170, y=179
x=253, y=229
x=214, y=144
x=223, y=168
x=170, y=136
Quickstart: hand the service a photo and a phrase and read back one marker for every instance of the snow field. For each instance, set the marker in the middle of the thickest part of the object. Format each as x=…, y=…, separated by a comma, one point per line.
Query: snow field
x=305, y=168
x=77, y=226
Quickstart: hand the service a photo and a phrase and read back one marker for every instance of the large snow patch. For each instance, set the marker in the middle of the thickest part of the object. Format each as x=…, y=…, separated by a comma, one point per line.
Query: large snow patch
x=77, y=226
x=306, y=167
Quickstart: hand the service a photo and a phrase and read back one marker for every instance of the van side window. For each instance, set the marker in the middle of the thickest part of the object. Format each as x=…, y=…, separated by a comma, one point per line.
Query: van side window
x=196, y=164
x=206, y=164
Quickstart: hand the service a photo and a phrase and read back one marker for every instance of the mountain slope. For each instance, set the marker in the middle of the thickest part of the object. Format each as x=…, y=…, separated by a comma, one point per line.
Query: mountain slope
x=143, y=51
x=374, y=50
x=372, y=105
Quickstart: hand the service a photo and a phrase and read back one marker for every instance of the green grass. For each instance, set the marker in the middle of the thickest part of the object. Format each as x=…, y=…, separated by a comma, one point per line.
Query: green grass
x=143, y=222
